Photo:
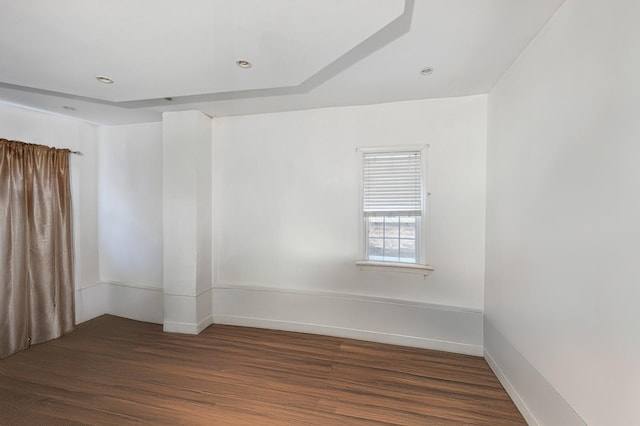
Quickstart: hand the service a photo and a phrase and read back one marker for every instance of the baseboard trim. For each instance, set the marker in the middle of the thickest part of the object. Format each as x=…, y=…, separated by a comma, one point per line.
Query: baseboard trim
x=134, y=286
x=179, y=327
x=390, y=321
x=371, y=336
x=140, y=303
x=204, y=324
x=187, y=328
x=511, y=390
x=91, y=301
x=88, y=286
x=143, y=303
x=344, y=296
x=538, y=401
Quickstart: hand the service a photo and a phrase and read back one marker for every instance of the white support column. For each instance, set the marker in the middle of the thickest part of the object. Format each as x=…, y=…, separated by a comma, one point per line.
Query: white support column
x=186, y=208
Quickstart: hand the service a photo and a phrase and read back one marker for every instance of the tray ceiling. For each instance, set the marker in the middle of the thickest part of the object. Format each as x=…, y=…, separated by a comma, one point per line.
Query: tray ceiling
x=303, y=54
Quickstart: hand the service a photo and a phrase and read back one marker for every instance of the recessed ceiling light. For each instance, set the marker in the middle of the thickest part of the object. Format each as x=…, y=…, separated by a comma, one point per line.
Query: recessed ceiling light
x=68, y=108
x=243, y=63
x=103, y=79
x=426, y=71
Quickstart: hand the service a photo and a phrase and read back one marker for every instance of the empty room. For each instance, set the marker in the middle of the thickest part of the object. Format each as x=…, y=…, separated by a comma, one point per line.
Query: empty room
x=336, y=212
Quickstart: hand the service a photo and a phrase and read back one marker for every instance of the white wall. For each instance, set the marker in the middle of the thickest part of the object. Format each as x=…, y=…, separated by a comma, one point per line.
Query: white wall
x=187, y=221
x=563, y=211
x=130, y=204
x=130, y=219
x=286, y=203
x=51, y=130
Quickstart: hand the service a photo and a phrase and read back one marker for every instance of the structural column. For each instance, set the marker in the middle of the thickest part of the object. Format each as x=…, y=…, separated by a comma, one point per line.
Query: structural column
x=186, y=209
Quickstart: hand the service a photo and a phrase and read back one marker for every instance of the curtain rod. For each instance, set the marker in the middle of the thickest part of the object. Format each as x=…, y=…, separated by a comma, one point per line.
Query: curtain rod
x=27, y=143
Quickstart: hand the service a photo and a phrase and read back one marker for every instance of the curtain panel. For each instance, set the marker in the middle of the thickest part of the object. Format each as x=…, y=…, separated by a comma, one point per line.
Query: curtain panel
x=36, y=254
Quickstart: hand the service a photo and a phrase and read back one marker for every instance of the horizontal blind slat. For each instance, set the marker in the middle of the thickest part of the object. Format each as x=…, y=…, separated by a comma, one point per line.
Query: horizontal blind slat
x=408, y=213
x=392, y=183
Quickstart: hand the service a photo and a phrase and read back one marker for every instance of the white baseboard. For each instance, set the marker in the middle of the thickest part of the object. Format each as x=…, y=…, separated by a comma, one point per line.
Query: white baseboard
x=187, y=314
x=535, y=397
x=91, y=301
x=397, y=322
x=205, y=323
x=179, y=327
x=511, y=390
x=186, y=328
x=140, y=303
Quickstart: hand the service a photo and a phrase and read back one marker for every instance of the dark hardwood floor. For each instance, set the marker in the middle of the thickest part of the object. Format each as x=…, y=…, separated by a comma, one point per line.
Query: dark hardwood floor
x=113, y=371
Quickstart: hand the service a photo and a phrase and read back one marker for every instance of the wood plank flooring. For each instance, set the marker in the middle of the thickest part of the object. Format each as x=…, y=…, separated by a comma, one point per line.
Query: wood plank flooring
x=113, y=371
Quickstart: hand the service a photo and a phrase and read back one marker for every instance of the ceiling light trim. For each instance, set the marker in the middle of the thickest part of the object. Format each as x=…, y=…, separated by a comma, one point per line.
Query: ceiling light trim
x=426, y=71
x=243, y=63
x=104, y=79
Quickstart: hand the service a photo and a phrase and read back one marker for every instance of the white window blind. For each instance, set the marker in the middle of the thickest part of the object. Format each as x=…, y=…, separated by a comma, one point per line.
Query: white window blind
x=392, y=184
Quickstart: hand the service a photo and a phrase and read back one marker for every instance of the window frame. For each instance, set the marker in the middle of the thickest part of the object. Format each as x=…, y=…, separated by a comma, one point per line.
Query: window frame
x=420, y=266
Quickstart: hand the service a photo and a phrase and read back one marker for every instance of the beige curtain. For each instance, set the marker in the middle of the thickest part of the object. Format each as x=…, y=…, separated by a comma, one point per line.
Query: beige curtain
x=36, y=274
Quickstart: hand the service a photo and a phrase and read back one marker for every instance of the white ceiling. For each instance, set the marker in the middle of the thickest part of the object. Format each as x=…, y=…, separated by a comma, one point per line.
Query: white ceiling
x=304, y=53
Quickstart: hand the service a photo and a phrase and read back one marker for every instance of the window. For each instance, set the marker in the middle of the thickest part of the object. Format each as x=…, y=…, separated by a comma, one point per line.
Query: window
x=393, y=238
x=393, y=205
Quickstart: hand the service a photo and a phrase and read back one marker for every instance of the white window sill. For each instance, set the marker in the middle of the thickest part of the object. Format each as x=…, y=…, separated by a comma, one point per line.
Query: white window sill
x=394, y=267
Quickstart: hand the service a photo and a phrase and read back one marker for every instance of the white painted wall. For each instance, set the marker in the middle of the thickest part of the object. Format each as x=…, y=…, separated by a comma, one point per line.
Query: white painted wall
x=563, y=209
x=286, y=202
x=130, y=219
x=130, y=204
x=187, y=221
x=51, y=130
